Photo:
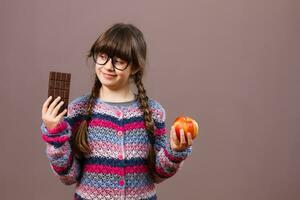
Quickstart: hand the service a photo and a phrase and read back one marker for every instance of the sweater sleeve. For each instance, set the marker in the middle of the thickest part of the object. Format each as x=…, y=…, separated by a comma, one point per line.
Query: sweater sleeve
x=167, y=160
x=58, y=149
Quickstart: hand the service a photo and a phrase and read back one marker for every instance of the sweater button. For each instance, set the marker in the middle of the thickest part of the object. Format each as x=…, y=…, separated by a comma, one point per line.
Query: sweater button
x=121, y=182
x=120, y=114
x=120, y=133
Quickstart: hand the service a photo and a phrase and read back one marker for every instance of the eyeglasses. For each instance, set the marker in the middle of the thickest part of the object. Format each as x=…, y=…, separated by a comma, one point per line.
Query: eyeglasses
x=102, y=59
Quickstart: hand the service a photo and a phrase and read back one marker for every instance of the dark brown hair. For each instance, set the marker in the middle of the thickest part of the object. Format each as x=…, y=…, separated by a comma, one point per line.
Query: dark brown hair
x=126, y=42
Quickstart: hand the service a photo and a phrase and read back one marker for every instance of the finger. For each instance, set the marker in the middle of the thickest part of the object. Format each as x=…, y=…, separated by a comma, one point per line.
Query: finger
x=45, y=105
x=182, y=138
x=174, y=136
x=190, y=139
x=52, y=105
x=56, y=109
x=61, y=114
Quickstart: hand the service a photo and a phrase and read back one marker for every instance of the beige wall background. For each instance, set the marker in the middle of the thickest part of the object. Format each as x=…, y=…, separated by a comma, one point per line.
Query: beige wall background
x=232, y=65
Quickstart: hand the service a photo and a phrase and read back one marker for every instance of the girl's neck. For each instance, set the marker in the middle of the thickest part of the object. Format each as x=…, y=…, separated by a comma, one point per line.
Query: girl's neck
x=125, y=95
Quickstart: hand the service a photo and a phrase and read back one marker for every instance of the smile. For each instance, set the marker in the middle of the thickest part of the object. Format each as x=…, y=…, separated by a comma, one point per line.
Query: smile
x=108, y=76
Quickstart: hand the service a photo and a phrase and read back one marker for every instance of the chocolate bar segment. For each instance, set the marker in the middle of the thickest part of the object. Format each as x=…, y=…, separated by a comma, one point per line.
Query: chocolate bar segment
x=59, y=85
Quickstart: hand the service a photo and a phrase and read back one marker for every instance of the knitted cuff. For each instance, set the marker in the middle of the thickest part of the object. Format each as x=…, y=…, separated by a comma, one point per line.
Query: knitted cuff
x=58, y=135
x=59, y=129
x=177, y=156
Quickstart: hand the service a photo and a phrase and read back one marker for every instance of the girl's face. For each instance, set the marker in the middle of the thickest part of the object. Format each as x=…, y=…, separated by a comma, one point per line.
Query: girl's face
x=112, y=78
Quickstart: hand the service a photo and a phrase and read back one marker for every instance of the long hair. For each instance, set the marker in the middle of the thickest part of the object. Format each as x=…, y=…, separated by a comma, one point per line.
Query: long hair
x=126, y=42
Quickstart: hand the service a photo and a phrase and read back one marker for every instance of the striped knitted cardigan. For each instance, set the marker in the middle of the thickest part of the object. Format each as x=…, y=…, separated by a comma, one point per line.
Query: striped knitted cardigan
x=117, y=166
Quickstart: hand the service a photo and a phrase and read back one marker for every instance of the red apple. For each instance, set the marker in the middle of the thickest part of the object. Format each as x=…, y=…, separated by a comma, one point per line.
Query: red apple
x=187, y=124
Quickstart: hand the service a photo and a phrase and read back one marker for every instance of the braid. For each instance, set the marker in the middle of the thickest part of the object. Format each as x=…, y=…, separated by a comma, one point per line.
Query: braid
x=144, y=106
x=80, y=145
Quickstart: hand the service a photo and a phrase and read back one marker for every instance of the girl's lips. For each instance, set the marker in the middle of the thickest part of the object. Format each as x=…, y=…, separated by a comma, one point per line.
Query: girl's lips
x=109, y=76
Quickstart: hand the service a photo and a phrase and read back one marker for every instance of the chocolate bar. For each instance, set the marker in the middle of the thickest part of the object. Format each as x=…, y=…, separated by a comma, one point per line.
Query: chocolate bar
x=59, y=85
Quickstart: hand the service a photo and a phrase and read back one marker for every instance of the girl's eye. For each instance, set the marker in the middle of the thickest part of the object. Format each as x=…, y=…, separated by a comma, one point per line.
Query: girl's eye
x=120, y=61
x=102, y=55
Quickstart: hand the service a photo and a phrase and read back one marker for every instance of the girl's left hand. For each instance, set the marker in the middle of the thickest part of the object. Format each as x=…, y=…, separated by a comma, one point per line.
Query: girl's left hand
x=182, y=144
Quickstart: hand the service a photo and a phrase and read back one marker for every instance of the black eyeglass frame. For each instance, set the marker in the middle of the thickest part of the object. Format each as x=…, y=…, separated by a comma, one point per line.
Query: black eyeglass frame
x=108, y=58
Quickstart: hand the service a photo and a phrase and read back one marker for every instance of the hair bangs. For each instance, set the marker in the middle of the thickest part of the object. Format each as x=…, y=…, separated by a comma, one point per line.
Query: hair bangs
x=117, y=44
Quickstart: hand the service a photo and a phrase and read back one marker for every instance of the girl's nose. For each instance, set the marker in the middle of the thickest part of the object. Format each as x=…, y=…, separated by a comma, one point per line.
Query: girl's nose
x=109, y=65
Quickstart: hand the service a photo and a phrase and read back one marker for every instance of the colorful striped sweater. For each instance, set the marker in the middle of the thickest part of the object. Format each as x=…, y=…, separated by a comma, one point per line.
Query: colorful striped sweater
x=116, y=168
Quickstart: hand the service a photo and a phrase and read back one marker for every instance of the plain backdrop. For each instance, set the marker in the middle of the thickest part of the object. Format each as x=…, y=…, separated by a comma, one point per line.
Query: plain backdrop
x=231, y=65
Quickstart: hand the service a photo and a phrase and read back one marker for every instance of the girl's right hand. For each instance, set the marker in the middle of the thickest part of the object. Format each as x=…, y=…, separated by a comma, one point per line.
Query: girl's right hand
x=49, y=113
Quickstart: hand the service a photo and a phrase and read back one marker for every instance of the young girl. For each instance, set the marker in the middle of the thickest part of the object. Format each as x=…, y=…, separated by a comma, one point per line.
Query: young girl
x=113, y=143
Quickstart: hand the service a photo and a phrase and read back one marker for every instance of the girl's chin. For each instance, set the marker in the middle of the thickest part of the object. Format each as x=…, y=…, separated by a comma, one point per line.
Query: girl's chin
x=108, y=82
